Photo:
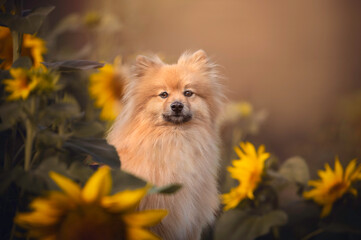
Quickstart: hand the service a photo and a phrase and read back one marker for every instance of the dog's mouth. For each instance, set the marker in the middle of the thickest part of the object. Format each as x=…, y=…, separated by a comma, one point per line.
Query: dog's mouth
x=177, y=118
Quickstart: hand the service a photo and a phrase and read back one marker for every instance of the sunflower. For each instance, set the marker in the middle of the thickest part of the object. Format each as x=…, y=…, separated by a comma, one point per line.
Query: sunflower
x=21, y=85
x=32, y=47
x=248, y=171
x=333, y=184
x=90, y=213
x=235, y=111
x=107, y=88
x=25, y=81
x=245, y=109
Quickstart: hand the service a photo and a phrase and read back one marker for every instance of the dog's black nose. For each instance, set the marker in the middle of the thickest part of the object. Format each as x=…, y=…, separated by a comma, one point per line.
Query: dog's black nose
x=177, y=107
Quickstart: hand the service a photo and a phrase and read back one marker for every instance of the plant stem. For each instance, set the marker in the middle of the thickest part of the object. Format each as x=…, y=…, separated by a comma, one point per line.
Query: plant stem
x=314, y=233
x=61, y=131
x=30, y=134
x=17, y=41
x=17, y=36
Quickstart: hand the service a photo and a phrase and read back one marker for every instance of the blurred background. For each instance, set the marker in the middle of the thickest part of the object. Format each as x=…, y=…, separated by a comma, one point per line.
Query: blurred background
x=297, y=60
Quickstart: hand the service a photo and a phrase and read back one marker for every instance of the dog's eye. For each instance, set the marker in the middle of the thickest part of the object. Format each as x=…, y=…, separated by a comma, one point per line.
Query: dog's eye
x=188, y=93
x=163, y=95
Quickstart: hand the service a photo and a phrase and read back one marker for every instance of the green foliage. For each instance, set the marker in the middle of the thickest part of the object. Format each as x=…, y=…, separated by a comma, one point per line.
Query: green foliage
x=246, y=225
x=168, y=189
x=99, y=149
x=28, y=24
x=22, y=62
x=53, y=128
x=73, y=65
x=11, y=113
x=295, y=170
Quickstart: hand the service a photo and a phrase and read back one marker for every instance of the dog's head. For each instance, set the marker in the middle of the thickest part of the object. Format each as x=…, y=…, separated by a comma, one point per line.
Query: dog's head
x=182, y=93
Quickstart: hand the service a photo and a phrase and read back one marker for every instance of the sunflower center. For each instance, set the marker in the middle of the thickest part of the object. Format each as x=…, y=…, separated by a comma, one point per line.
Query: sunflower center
x=91, y=222
x=337, y=189
x=117, y=86
x=23, y=83
x=254, y=178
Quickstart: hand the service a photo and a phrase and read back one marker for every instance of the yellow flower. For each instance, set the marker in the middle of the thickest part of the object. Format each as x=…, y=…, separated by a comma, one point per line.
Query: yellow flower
x=235, y=111
x=26, y=81
x=32, y=47
x=248, y=171
x=47, y=80
x=244, y=108
x=333, y=184
x=92, y=19
x=21, y=85
x=107, y=88
x=6, y=48
x=90, y=213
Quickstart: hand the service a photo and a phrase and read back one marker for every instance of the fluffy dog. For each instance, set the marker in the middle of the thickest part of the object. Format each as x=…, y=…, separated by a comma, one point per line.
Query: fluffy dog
x=167, y=133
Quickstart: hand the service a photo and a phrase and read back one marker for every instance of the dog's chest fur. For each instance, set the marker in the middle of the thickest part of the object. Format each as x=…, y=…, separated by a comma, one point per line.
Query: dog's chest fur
x=183, y=155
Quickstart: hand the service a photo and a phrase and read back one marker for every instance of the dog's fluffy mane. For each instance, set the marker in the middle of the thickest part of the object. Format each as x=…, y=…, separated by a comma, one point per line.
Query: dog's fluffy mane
x=185, y=153
x=197, y=60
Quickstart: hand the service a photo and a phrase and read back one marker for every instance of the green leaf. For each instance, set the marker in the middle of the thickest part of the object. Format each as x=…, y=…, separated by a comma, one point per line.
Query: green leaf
x=168, y=189
x=71, y=22
x=72, y=65
x=32, y=183
x=80, y=173
x=29, y=24
x=87, y=129
x=77, y=171
x=339, y=227
x=22, y=62
x=123, y=180
x=28, y=181
x=237, y=224
x=99, y=149
x=10, y=114
x=295, y=169
x=46, y=138
x=61, y=111
x=8, y=177
x=4, y=74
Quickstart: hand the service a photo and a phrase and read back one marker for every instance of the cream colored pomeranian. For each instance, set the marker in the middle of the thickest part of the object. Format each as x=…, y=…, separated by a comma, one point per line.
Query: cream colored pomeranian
x=167, y=133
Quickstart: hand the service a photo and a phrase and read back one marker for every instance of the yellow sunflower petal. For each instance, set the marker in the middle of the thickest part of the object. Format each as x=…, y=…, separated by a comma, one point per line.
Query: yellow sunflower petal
x=353, y=191
x=233, y=198
x=249, y=149
x=326, y=210
x=98, y=185
x=250, y=195
x=261, y=150
x=45, y=206
x=310, y=194
x=238, y=152
x=134, y=233
x=315, y=183
x=36, y=219
x=356, y=175
x=146, y=218
x=124, y=200
x=328, y=168
x=67, y=185
x=338, y=169
x=350, y=169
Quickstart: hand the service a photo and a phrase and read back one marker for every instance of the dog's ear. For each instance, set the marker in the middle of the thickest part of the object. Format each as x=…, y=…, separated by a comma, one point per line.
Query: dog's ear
x=143, y=64
x=198, y=59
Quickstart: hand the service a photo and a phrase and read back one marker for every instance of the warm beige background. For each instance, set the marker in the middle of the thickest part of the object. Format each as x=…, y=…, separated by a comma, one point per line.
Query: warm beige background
x=295, y=59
